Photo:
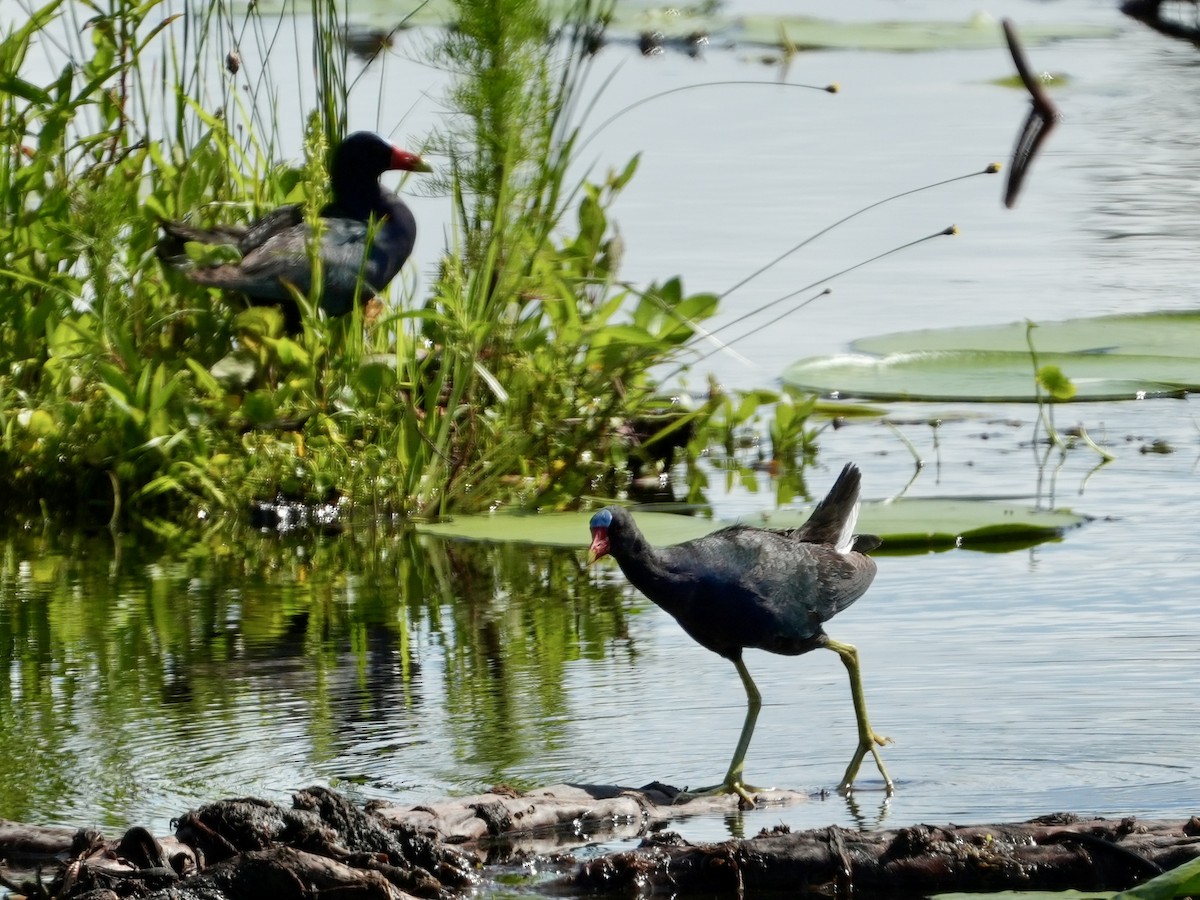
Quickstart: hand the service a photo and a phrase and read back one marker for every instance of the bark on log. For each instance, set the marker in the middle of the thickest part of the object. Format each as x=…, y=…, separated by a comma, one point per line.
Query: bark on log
x=249, y=848
x=1051, y=853
x=324, y=845
x=505, y=822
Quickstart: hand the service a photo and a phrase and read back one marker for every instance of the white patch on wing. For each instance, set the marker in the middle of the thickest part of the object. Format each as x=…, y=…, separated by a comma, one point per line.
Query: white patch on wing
x=846, y=539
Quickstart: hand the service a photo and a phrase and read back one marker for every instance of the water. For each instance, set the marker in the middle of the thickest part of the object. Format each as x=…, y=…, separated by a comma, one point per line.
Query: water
x=134, y=684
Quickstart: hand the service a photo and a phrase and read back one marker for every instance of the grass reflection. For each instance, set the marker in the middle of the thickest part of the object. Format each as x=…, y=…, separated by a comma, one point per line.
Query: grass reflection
x=137, y=680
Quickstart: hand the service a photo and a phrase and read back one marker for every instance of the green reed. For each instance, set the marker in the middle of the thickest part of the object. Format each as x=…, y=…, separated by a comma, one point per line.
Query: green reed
x=129, y=395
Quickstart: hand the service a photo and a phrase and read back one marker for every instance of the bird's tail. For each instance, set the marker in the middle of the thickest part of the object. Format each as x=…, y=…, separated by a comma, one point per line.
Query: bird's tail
x=833, y=520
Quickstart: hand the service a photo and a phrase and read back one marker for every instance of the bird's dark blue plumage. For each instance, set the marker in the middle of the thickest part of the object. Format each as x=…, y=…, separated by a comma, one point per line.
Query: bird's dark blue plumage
x=744, y=587
x=367, y=234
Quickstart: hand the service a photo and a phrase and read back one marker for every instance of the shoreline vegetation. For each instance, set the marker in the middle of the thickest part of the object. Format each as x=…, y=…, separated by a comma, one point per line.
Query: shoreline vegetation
x=524, y=378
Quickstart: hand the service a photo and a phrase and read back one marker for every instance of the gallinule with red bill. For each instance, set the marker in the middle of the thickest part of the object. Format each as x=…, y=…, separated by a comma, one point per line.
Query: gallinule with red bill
x=357, y=258
x=770, y=589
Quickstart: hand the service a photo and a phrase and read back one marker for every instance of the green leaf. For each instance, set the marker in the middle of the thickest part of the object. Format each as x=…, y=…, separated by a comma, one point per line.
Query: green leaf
x=13, y=84
x=904, y=36
x=990, y=376
x=1106, y=358
x=237, y=370
x=623, y=334
x=1182, y=881
x=259, y=407
x=1145, y=334
x=592, y=223
x=211, y=254
x=1052, y=379
x=205, y=380
x=289, y=353
x=904, y=525
x=38, y=422
x=259, y=321
x=623, y=179
x=563, y=529
x=373, y=378
x=698, y=306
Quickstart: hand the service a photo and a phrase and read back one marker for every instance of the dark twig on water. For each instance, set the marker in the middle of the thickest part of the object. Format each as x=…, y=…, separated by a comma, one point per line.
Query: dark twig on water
x=1038, y=124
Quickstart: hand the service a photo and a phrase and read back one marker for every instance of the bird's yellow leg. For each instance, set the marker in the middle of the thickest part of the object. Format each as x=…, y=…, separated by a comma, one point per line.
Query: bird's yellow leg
x=868, y=740
x=733, y=778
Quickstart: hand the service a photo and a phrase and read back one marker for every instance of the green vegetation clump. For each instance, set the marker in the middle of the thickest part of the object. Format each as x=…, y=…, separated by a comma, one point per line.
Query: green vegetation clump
x=129, y=395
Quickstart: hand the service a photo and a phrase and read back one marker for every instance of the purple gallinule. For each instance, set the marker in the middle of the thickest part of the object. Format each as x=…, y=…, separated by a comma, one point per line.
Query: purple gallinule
x=769, y=589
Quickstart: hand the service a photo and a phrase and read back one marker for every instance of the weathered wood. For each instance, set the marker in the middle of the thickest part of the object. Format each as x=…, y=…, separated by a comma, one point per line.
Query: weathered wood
x=31, y=844
x=325, y=846
x=1052, y=853
x=505, y=822
x=253, y=848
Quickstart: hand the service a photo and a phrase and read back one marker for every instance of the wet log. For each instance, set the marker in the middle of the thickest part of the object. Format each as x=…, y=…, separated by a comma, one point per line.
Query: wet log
x=32, y=844
x=249, y=848
x=1051, y=853
x=324, y=845
x=504, y=823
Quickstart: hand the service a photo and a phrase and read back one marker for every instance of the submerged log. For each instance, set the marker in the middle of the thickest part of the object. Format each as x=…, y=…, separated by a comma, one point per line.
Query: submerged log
x=324, y=845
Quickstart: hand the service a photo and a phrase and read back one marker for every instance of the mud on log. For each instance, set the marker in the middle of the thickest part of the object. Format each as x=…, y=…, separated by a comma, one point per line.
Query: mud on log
x=325, y=846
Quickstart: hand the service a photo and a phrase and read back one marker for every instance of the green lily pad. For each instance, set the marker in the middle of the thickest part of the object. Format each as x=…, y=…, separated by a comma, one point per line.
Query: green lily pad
x=564, y=529
x=677, y=21
x=904, y=525
x=969, y=33
x=1147, y=334
x=928, y=523
x=1105, y=358
x=1048, y=79
x=990, y=376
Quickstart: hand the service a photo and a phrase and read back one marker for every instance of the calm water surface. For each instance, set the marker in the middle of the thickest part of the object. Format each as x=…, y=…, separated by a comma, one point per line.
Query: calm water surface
x=1063, y=677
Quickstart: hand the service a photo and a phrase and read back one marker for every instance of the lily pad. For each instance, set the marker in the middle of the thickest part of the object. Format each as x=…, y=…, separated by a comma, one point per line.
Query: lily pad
x=990, y=376
x=972, y=32
x=929, y=523
x=677, y=21
x=904, y=525
x=564, y=529
x=1105, y=357
x=1147, y=334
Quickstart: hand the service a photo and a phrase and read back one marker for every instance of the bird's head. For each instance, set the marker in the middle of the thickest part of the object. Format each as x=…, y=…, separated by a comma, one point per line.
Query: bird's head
x=600, y=524
x=366, y=153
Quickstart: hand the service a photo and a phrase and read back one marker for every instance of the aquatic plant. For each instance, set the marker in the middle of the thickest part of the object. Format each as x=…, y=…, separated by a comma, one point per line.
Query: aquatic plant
x=130, y=396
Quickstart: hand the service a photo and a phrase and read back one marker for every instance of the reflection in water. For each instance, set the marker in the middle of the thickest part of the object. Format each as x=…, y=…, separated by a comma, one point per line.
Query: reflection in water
x=135, y=682
x=143, y=673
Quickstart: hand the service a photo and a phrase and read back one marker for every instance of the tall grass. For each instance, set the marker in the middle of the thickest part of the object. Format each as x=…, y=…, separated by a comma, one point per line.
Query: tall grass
x=130, y=395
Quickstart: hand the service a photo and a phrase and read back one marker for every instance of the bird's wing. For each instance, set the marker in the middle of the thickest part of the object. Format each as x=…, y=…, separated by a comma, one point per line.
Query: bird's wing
x=767, y=589
x=283, y=259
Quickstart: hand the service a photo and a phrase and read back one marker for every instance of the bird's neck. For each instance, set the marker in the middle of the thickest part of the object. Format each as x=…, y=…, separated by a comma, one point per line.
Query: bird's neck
x=648, y=570
x=358, y=197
